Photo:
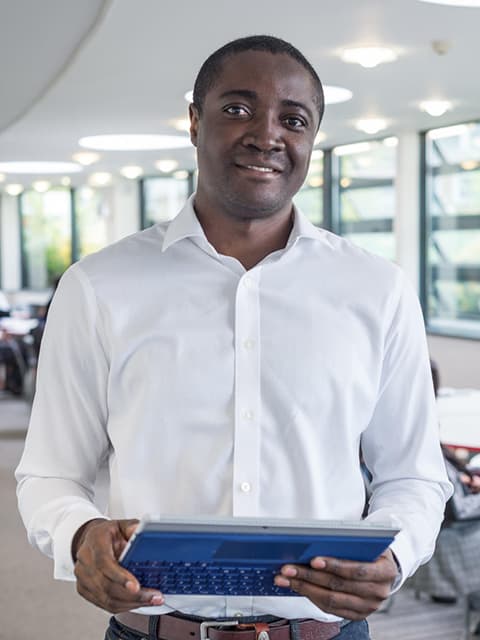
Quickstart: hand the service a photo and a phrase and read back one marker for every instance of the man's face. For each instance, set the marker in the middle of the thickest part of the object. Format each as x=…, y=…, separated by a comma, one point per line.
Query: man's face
x=255, y=135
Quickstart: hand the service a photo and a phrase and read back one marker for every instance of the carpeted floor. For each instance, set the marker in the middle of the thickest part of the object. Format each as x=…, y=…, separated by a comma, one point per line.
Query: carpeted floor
x=35, y=607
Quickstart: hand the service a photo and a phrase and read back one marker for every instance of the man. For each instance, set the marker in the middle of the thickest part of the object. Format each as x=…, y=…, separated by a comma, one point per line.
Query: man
x=255, y=355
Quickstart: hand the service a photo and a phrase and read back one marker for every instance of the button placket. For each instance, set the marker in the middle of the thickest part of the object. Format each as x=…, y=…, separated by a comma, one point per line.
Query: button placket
x=247, y=397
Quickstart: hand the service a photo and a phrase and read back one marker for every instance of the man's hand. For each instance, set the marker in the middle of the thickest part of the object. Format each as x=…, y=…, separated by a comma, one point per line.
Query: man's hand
x=100, y=579
x=348, y=589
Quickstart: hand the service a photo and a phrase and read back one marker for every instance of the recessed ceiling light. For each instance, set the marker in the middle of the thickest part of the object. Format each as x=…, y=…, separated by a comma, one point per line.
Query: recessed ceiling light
x=134, y=142
x=39, y=167
x=66, y=181
x=315, y=182
x=86, y=158
x=132, y=172
x=371, y=125
x=100, y=179
x=189, y=96
x=456, y=3
x=41, y=186
x=392, y=141
x=368, y=57
x=348, y=149
x=181, y=124
x=181, y=175
x=435, y=107
x=334, y=95
x=469, y=165
x=14, y=189
x=87, y=193
x=166, y=166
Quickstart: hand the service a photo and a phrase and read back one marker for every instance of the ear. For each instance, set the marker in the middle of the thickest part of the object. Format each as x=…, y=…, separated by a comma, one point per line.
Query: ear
x=194, y=122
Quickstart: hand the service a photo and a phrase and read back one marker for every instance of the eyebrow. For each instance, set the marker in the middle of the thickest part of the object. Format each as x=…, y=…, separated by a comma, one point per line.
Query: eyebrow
x=252, y=95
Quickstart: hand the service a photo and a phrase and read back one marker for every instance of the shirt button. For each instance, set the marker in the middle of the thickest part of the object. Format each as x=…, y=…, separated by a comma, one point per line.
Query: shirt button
x=248, y=344
x=247, y=414
x=245, y=487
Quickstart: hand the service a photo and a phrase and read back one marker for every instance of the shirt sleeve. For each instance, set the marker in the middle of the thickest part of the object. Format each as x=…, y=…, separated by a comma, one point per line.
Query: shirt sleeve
x=67, y=438
x=401, y=445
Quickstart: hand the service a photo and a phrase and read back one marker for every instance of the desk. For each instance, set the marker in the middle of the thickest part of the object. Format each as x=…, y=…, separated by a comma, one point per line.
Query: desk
x=18, y=327
x=459, y=417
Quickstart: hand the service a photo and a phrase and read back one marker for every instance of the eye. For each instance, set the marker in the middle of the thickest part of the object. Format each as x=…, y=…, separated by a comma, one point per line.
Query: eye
x=236, y=110
x=295, y=122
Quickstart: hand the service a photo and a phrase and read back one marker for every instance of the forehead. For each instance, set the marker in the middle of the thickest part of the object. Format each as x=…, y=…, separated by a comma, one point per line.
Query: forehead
x=268, y=74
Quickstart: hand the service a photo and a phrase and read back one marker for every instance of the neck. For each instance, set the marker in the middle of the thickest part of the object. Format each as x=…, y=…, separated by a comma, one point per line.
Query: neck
x=249, y=241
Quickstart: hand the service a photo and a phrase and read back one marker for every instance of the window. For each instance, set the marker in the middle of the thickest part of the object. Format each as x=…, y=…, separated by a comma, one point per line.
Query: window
x=364, y=181
x=452, y=230
x=162, y=198
x=92, y=212
x=46, y=236
x=310, y=197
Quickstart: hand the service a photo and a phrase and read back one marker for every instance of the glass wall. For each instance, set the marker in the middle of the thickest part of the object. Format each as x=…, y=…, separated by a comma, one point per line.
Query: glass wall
x=92, y=212
x=46, y=236
x=452, y=222
x=162, y=198
x=364, y=176
x=310, y=197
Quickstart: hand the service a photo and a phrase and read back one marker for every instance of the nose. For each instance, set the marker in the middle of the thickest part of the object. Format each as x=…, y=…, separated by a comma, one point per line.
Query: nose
x=264, y=133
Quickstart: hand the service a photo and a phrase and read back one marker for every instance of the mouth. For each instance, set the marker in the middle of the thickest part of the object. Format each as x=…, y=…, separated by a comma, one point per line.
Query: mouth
x=260, y=169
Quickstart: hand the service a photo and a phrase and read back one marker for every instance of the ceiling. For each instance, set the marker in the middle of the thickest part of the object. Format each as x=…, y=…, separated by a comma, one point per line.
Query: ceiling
x=70, y=69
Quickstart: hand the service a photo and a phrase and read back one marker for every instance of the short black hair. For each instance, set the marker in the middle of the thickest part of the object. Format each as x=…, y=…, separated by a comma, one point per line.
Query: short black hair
x=212, y=67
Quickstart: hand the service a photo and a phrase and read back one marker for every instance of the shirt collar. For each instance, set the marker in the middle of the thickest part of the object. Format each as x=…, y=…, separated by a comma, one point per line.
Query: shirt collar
x=187, y=225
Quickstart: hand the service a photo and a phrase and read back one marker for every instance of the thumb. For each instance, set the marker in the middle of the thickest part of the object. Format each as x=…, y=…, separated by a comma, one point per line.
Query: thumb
x=127, y=527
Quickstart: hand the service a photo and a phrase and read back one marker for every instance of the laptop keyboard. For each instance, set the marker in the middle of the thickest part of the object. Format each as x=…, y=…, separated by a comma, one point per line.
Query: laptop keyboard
x=194, y=578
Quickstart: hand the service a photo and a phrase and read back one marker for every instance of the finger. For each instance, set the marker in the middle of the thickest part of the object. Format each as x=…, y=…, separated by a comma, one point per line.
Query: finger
x=333, y=582
x=90, y=563
x=381, y=570
x=346, y=605
x=128, y=527
x=113, y=602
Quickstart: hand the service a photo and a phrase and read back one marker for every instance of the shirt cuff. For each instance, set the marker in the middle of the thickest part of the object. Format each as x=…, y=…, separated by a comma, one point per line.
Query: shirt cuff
x=404, y=558
x=63, y=536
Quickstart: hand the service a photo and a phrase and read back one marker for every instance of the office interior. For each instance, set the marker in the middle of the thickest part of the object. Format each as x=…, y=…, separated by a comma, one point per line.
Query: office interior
x=94, y=146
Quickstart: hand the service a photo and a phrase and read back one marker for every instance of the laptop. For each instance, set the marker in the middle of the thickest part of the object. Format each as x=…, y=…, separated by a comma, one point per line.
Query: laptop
x=241, y=556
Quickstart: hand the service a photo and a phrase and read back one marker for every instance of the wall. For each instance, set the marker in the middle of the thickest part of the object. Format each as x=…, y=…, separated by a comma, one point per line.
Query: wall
x=458, y=361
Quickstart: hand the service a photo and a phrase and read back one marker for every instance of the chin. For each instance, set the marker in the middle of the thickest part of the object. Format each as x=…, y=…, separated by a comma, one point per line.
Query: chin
x=251, y=208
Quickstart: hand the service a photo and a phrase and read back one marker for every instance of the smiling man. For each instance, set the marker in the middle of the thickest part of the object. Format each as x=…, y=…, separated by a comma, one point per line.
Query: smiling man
x=255, y=355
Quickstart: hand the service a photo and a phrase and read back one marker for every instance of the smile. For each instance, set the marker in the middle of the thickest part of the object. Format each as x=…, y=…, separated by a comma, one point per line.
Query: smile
x=263, y=169
x=259, y=168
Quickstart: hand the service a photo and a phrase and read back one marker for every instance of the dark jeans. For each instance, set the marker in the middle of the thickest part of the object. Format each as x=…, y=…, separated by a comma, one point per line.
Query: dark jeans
x=351, y=631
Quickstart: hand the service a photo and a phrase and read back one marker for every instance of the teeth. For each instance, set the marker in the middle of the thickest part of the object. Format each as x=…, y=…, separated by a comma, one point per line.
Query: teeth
x=264, y=169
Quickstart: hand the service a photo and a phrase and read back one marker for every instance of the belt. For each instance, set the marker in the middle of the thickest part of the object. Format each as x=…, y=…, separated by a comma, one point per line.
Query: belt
x=173, y=627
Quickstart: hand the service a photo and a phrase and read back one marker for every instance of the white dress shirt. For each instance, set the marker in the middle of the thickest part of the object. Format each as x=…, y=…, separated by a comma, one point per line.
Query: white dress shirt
x=216, y=391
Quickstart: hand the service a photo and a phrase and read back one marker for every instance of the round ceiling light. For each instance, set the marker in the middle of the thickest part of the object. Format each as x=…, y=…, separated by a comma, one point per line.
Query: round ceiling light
x=371, y=125
x=455, y=3
x=435, y=108
x=14, y=189
x=86, y=158
x=368, y=57
x=166, y=166
x=134, y=142
x=39, y=167
x=334, y=95
x=132, y=171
